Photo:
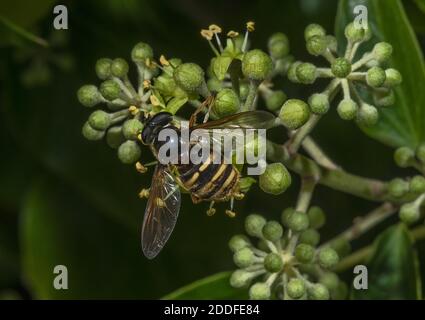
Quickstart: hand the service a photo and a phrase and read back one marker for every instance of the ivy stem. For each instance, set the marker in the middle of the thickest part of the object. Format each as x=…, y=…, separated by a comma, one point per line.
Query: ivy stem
x=302, y=133
x=317, y=154
x=252, y=93
x=360, y=63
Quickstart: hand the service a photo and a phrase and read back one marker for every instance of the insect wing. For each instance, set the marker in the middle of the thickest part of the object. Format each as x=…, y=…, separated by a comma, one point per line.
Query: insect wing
x=243, y=120
x=161, y=211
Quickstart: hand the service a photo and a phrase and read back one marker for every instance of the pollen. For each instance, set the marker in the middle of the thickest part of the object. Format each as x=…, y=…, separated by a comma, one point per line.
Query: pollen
x=133, y=110
x=207, y=34
x=250, y=26
x=214, y=28
x=154, y=100
x=232, y=34
x=144, y=193
x=146, y=84
x=164, y=60
x=141, y=168
x=159, y=202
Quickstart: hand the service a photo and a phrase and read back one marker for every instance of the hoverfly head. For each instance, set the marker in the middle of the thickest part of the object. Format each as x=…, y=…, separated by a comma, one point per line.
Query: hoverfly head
x=154, y=124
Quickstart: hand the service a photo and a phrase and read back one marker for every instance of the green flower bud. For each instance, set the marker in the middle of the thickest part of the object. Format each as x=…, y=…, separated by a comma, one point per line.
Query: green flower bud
x=189, y=77
x=341, y=246
x=376, y=77
x=243, y=91
x=384, y=99
x=100, y=120
x=114, y=137
x=403, y=157
x=141, y=52
x=393, y=78
x=119, y=68
x=310, y=236
x=317, y=45
x=420, y=153
x=298, y=221
x=341, y=68
x=281, y=66
x=275, y=179
x=256, y=65
x=347, y=109
x=226, y=103
x=240, y=279
x=263, y=246
x=398, y=187
x=110, y=90
x=382, y=52
x=313, y=30
x=275, y=100
x=129, y=152
x=417, y=184
x=292, y=72
x=254, y=224
x=409, y=213
x=330, y=280
x=353, y=33
x=214, y=84
x=327, y=258
x=332, y=43
x=272, y=231
x=294, y=114
x=259, y=291
x=103, y=68
x=318, y=292
x=304, y=253
x=306, y=73
x=341, y=292
x=316, y=217
x=367, y=115
x=132, y=128
x=296, y=288
x=286, y=215
x=273, y=263
x=244, y=258
x=319, y=103
x=239, y=242
x=92, y=134
x=278, y=45
x=89, y=96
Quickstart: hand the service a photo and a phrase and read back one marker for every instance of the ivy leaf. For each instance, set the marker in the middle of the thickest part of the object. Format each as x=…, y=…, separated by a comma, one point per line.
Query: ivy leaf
x=393, y=268
x=176, y=103
x=221, y=65
x=421, y=5
x=215, y=287
x=402, y=123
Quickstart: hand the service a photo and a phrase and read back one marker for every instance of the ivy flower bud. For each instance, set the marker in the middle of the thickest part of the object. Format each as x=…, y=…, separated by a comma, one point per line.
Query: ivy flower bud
x=259, y=291
x=327, y=258
x=254, y=224
x=318, y=292
x=131, y=129
x=114, y=137
x=110, y=90
x=398, y=187
x=367, y=115
x=296, y=288
x=332, y=43
x=243, y=91
x=409, y=213
x=91, y=134
x=273, y=263
x=403, y=157
x=316, y=217
x=353, y=33
x=298, y=221
x=393, y=78
x=420, y=153
x=306, y=73
x=319, y=103
x=239, y=242
x=286, y=215
x=417, y=185
x=243, y=258
x=256, y=65
x=304, y=253
x=226, y=103
x=382, y=52
x=317, y=45
x=272, y=231
x=240, y=279
x=310, y=236
x=292, y=72
x=294, y=114
x=330, y=280
x=103, y=68
x=88, y=95
x=275, y=179
x=341, y=245
x=341, y=68
x=189, y=77
x=129, y=152
x=384, y=99
x=100, y=120
x=275, y=100
x=278, y=45
x=141, y=52
x=375, y=77
x=214, y=84
x=347, y=109
x=313, y=30
x=119, y=68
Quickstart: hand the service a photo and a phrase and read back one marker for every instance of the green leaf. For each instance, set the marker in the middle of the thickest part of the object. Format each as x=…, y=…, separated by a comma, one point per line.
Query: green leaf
x=421, y=5
x=13, y=34
x=215, y=287
x=176, y=103
x=401, y=124
x=393, y=268
x=220, y=66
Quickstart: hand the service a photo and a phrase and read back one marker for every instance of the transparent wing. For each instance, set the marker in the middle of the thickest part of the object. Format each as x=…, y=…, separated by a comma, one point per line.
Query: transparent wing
x=161, y=211
x=244, y=120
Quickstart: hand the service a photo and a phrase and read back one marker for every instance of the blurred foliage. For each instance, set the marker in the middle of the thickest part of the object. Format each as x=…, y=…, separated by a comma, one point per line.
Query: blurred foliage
x=66, y=201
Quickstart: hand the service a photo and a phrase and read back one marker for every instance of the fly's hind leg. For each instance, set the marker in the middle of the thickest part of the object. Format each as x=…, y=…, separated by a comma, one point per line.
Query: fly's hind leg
x=206, y=104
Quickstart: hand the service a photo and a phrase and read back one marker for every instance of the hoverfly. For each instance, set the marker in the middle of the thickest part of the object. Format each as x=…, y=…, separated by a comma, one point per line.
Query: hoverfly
x=206, y=181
